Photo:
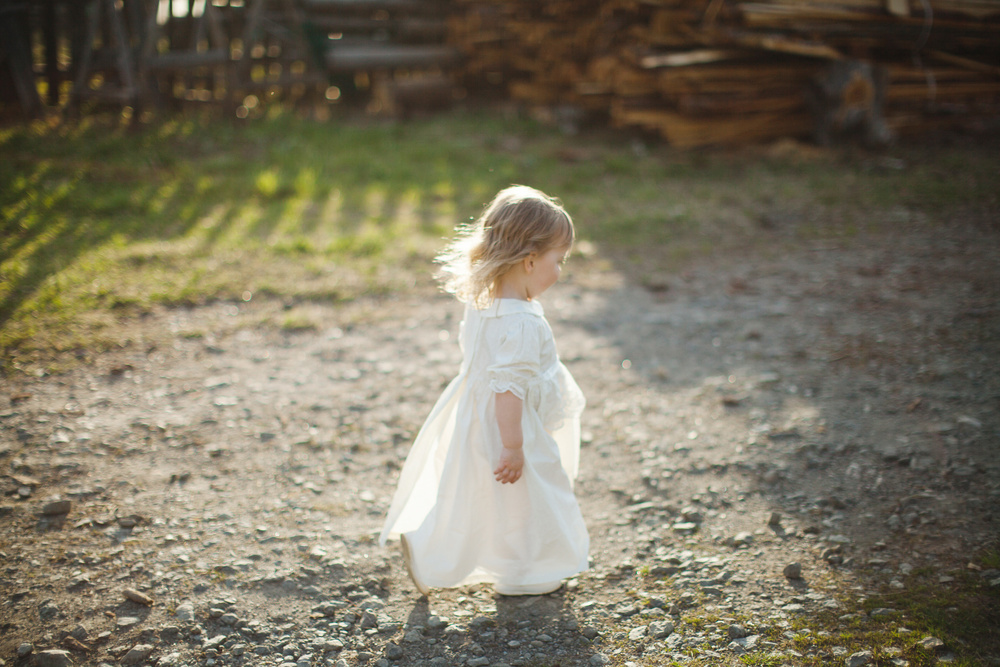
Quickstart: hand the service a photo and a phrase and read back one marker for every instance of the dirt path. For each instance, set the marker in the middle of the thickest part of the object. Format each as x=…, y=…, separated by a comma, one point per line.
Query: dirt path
x=834, y=406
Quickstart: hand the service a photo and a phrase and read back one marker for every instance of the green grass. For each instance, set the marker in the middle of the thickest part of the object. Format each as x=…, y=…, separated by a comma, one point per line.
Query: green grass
x=100, y=225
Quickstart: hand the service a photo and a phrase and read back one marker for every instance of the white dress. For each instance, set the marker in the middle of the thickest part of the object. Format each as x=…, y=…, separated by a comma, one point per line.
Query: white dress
x=462, y=525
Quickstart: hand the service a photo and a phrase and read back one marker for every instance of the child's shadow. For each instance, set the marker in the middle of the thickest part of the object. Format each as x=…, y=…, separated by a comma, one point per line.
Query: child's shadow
x=525, y=628
x=545, y=627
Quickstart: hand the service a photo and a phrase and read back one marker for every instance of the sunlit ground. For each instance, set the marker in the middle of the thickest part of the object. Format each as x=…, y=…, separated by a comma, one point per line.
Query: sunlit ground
x=102, y=222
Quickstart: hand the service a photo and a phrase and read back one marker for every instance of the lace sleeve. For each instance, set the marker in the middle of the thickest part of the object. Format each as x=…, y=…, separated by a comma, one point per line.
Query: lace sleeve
x=515, y=360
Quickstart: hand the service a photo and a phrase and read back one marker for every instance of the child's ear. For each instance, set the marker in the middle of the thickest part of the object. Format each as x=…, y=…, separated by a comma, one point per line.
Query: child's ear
x=529, y=262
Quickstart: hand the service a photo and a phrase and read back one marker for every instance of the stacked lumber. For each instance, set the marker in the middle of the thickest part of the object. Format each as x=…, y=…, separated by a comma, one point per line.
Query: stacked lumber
x=704, y=72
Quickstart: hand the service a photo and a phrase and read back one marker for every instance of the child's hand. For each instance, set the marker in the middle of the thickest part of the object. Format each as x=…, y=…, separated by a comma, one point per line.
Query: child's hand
x=511, y=464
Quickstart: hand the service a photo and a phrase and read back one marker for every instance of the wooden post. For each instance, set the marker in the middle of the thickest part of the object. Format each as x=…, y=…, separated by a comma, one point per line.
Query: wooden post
x=50, y=32
x=17, y=49
x=116, y=47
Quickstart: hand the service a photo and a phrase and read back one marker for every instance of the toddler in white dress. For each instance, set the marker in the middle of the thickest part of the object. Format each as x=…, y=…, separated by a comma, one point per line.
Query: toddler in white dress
x=486, y=493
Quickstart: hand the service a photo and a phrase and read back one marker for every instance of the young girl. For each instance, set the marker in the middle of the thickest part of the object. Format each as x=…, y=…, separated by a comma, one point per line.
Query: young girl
x=486, y=494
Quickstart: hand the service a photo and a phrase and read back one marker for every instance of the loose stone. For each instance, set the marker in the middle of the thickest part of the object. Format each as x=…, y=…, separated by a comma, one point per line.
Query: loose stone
x=57, y=508
x=739, y=540
x=793, y=571
x=184, y=611
x=881, y=611
x=53, y=658
x=931, y=644
x=860, y=659
x=48, y=610
x=660, y=629
x=137, y=654
x=137, y=597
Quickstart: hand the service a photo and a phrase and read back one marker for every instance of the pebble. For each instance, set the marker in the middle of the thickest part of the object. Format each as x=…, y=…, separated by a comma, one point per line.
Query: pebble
x=57, y=508
x=53, y=658
x=137, y=597
x=739, y=540
x=685, y=527
x=881, y=611
x=436, y=622
x=184, y=611
x=793, y=571
x=660, y=629
x=737, y=631
x=48, y=610
x=137, y=654
x=743, y=645
x=859, y=659
x=931, y=644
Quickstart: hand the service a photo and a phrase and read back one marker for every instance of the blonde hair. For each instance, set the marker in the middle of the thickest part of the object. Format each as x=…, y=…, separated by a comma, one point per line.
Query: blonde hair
x=519, y=221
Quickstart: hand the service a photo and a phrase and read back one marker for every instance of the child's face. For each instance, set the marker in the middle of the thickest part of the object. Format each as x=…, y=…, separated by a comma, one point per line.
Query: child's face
x=546, y=269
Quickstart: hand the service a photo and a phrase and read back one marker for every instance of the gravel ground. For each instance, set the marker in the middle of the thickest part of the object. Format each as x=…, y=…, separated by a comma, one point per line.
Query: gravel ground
x=765, y=437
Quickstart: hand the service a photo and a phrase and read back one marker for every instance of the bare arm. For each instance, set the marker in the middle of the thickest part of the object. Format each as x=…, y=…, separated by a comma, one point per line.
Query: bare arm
x=508, y=409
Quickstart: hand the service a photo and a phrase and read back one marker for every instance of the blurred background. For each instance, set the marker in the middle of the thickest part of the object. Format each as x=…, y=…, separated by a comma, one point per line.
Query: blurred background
x=696, y=72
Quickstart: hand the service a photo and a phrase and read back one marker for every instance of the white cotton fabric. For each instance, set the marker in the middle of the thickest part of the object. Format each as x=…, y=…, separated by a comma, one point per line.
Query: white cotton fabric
x=462, y=525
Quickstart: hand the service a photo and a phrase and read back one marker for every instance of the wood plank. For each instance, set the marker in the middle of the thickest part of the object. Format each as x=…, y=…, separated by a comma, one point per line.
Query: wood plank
x=967, y=63
x=980, y=9
x=771, y=15
x=407, y=28
x=782, y=44
x=942, y=92
x=354, y=57
x=699, y=57
x=683, y=131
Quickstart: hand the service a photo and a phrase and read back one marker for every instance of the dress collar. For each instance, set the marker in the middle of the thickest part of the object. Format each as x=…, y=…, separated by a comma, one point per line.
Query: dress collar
x=501, y=307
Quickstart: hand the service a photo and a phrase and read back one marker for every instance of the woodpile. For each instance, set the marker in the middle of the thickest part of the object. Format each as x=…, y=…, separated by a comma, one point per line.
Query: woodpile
x=716, y=72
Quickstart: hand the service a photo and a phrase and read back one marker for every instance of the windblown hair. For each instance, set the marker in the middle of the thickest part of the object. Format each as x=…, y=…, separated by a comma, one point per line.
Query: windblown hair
x=519, y=221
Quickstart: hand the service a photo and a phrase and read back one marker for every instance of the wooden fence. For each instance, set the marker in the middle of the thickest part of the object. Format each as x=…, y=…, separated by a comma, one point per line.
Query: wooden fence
x=146, y=53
